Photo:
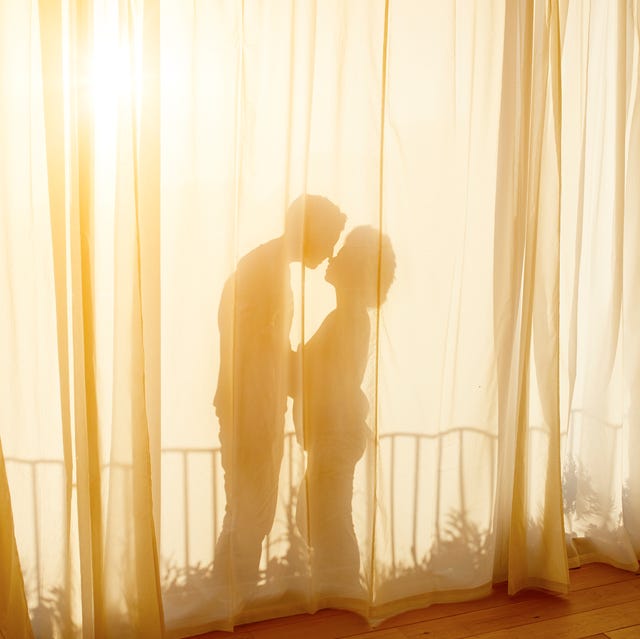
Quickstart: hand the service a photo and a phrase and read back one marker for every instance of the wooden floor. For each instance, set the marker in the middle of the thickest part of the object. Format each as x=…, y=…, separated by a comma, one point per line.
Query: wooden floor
x=604, y=603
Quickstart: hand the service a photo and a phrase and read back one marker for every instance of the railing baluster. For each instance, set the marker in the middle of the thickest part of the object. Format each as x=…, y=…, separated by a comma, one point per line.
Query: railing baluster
x=392, y=513
x=290, y=474
x=416, y=491
x=185, y=479
x=214, y=501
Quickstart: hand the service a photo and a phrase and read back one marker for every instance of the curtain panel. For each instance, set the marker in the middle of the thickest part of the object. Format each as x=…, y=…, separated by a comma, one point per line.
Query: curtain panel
x=313, y=304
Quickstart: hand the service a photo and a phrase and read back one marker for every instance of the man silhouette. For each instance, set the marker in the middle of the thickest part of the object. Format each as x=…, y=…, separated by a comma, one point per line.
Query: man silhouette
x=254, y=317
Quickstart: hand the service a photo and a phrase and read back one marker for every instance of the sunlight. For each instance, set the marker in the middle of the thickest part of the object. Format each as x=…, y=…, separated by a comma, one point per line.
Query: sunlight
x=112, y=73
x=116, y=75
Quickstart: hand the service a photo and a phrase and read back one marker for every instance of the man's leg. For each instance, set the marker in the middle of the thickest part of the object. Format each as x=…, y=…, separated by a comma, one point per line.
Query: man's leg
x=251, y=487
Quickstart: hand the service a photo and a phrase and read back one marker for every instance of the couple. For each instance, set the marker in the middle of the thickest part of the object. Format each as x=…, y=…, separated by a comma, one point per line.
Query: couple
x=258, y=372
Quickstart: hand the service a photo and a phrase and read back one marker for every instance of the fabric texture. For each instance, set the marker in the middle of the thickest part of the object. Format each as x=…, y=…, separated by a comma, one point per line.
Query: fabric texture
x=310, y=304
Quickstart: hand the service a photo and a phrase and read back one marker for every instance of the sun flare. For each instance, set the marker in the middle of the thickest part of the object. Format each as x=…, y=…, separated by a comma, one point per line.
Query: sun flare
x=116, y=66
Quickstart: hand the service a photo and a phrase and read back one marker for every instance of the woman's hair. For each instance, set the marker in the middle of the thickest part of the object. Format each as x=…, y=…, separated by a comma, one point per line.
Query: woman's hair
x=374, y=262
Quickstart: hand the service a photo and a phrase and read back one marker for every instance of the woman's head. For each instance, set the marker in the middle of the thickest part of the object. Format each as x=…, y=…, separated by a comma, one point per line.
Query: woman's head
x=365, y=265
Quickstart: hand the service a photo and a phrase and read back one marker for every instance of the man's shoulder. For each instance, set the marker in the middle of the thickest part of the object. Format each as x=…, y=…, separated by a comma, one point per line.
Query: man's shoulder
x=261, y=277
x=267, y=257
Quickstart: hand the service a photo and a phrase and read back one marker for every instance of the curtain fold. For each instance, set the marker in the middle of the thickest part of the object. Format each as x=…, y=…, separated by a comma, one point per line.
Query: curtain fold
x=631, y=280
x=310, y=304
x=536, y=543
x=80, y=454
x=33, y=439
x=131, y=580
x=14, y=614
x=599, y=238
x=119, y=525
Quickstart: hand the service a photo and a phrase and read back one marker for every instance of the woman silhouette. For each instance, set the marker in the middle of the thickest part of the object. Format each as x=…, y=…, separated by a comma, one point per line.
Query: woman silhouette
x=330, y=409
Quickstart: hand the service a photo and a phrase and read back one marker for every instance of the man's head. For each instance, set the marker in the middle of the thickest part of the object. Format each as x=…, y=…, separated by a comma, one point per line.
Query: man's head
x=312, y=226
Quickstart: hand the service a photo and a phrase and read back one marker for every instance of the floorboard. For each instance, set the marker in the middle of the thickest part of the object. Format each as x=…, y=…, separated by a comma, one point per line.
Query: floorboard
x=630, y=632
x=603, y=603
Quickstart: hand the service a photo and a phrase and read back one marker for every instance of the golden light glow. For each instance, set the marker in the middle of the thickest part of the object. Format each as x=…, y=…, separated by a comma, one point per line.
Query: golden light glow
x=116, y=69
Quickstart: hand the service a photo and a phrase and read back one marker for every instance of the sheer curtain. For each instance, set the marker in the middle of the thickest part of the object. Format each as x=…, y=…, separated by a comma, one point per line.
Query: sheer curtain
x=203, y=421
